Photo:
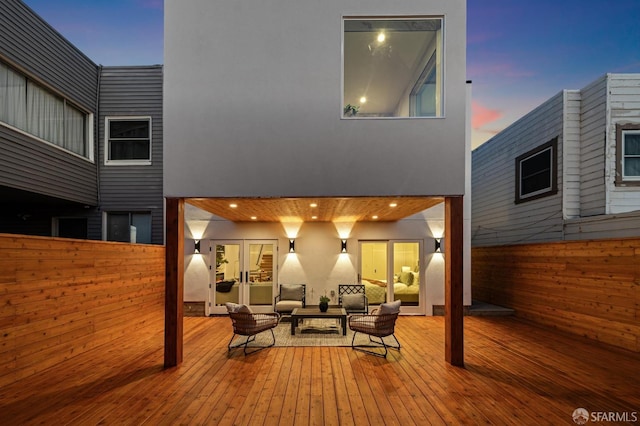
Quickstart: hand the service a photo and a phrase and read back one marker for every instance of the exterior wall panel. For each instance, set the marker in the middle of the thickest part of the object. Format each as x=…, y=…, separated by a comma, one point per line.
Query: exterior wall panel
x=496, y=217
x=624, y=103
x=133, y=91
x=268, y=123
x=593, y=117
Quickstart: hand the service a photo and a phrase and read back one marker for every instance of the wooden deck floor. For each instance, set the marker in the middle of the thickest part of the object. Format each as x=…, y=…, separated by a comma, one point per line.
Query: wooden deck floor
x=515, y=374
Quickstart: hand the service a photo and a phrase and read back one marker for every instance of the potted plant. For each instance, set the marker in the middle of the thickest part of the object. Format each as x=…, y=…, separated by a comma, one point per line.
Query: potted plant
x=351, y=110
x=324, y=303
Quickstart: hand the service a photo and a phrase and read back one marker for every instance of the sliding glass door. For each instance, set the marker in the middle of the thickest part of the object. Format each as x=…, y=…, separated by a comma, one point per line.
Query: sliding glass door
x=242, y=271
x=390, y=270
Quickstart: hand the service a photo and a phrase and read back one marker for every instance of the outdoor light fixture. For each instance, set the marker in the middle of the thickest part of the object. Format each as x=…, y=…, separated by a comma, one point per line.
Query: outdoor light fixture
x=196, y=246
x=438, y=248
x=292, y=246
x=343, y=246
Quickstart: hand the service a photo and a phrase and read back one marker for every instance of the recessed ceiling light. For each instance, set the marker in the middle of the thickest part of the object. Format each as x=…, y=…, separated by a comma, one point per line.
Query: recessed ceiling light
x=363, y=100
x=381, y=37
x=313, y=205
x=233, y=205
x=393, y=205
x=254, y=217
x=314, y=217
x=374, y=217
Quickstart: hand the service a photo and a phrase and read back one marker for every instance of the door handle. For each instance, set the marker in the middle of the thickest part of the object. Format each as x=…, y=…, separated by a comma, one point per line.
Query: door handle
x=246, y=276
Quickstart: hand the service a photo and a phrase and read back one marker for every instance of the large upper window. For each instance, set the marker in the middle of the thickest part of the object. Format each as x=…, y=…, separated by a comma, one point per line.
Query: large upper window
x=536, y=172
x=628, y=154
x=128, y=140
x=29, y=107
x=392, y=67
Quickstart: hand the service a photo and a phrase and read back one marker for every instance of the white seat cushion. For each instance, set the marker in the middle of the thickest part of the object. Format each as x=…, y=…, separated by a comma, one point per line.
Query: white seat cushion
x=288, y=305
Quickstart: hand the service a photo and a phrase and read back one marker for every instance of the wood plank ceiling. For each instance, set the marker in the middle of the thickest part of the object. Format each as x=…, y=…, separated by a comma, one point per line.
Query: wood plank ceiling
x=287, y=210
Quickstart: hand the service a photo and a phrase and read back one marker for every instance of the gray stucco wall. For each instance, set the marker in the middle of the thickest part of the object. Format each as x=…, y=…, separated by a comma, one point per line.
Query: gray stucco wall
x=253, y=105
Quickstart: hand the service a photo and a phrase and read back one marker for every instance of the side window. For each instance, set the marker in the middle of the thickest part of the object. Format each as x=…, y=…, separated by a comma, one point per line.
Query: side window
x=628, y=154
x=392, y=67
x=127, y=227
x=537, y=172
x=128, y=141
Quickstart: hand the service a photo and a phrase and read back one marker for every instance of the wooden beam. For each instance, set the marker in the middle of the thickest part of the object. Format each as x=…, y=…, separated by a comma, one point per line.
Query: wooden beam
x=174, y=284
x=453, y=292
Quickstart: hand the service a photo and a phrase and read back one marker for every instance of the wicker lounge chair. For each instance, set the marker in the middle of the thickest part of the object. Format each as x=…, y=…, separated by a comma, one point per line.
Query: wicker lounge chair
x=379, y=323
x=249, y=324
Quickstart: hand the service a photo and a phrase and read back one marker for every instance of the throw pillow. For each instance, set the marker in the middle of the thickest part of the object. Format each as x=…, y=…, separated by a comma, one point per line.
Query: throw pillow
x=353, y=302
x=232, y=307
x=244, y=309
x=390, y=308
x=290, y=292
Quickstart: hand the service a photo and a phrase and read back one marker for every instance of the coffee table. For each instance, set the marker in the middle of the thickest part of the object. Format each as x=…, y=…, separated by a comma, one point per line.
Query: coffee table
x=337, y=313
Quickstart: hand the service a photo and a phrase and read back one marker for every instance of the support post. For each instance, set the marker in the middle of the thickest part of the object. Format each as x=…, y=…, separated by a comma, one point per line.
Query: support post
x=174, y=281
x=454, y=278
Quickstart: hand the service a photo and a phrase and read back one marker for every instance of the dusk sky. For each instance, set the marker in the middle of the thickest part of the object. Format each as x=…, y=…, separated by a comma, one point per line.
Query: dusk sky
x=519, y=53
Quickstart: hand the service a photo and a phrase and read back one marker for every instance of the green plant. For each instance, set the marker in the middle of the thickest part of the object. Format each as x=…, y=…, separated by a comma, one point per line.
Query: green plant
x=351, y=110
x=324, y=299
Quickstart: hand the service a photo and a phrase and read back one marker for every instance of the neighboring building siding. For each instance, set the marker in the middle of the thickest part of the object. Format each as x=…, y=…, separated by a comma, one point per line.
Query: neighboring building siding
x=30, y=45
x=593, y=125
x=604, y=226
x=571, y=154
x=133, y=91
x=496, y=218
x=624, y=107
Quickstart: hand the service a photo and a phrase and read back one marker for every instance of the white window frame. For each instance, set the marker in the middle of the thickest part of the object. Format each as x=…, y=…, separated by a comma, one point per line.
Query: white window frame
x=109, y=162
x=625, y=156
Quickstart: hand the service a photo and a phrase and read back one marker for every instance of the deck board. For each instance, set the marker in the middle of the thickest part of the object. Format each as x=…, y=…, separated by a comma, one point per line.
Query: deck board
x=514, y=372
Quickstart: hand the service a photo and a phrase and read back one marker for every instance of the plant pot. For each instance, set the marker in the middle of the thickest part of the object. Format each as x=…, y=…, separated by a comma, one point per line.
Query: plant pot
x=323, y=306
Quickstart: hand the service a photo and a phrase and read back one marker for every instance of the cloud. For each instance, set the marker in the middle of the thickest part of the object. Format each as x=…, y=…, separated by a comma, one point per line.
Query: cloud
x=481, y=115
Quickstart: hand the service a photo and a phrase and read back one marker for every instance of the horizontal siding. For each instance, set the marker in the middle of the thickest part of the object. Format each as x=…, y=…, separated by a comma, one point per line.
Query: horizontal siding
x=593, y=126
x=589, y=288
x=604, y=226
x=496, y=219
x=624, y=109
x=30, y=165
x=571, y=154
x=133, y=91
x=28, y=42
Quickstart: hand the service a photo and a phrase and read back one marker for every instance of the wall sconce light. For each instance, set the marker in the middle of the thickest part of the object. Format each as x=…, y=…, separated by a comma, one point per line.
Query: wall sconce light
x=196, y=246
x=292, y=246
x=343, y=246
x=438, y=247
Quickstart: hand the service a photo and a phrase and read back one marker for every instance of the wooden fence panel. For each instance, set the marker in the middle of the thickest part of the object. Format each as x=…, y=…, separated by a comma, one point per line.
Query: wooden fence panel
x=62, y=297
x=589, y=288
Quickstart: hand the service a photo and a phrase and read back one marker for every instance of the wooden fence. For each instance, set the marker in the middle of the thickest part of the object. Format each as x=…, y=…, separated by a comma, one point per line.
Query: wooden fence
x=589, y=288
x=61, y=297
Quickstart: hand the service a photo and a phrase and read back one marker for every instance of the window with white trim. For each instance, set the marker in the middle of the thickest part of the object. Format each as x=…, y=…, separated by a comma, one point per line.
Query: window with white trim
x=537, y=172
x=31, y=108
x=628, y=154
x=128, y=140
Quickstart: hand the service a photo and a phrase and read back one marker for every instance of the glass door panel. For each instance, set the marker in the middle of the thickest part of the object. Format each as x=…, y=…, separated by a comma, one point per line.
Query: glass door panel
x=227, y=273
x=260, y=258
x=406, y=273
x=373, y=270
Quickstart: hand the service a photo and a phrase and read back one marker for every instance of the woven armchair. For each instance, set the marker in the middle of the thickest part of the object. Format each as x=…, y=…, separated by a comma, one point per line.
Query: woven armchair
x=380, y=323
x=249, y=325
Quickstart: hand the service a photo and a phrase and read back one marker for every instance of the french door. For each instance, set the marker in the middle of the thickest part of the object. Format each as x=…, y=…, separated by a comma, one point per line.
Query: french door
x=243, y=271
x=390, y=270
